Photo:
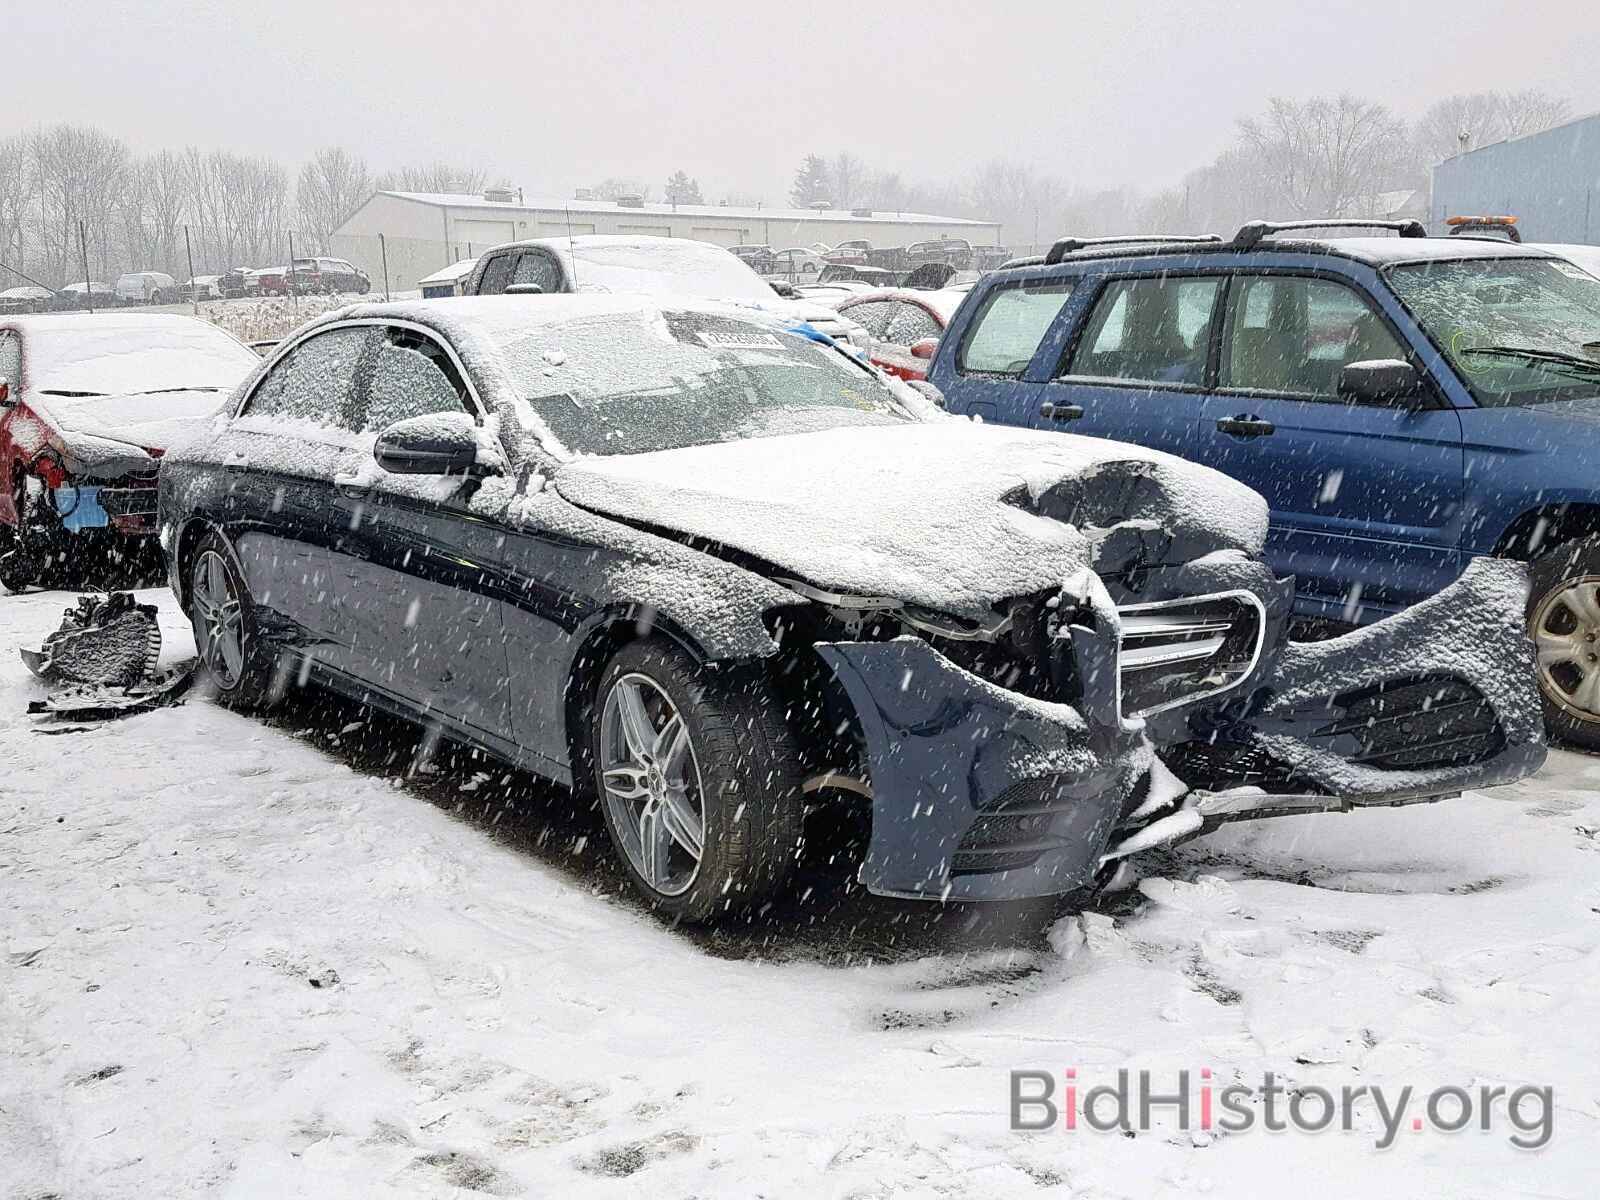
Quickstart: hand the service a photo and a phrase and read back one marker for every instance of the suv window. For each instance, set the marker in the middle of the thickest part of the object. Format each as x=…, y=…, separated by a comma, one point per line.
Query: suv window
x=1294, y=334
x=496, y=275
x=319, y=380
x=1006, y=333
x=412, y=376
x=1150, y=330
x=537, y=267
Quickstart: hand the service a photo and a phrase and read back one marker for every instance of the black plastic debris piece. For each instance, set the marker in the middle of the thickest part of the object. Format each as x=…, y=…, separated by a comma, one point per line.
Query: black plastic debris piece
x=103, y=662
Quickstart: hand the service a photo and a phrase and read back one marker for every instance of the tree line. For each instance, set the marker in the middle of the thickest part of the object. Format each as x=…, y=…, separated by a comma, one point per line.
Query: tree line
x=70, y=191
x=1325, y=156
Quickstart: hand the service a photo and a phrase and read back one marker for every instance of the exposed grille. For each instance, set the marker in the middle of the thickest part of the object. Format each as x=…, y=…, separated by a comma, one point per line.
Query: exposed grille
x=1175, y=652
x=1029, y=818
x=1414, y=724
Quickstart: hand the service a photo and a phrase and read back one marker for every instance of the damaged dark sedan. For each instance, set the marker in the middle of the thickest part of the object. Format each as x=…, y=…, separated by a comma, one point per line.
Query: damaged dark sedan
x=713, y=571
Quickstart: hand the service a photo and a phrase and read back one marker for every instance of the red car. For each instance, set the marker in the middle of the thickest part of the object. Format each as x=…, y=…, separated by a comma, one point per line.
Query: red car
x=905, y=324
x=88, y=404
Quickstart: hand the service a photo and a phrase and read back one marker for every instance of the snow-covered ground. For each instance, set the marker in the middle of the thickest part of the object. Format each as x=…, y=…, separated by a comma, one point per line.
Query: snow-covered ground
x=316, y=957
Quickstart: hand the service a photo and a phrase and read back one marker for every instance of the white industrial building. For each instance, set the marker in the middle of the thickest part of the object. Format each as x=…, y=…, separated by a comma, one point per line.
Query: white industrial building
x=423, y=232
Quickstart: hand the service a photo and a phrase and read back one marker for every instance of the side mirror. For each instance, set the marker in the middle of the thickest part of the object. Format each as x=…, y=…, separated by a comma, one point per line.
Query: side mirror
x=435, y=444
x=924, y=347
x=1381, y=381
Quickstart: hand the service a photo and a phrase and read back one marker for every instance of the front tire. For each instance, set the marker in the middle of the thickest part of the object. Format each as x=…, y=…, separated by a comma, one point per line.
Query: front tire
x=698, y=778
x=1564, y=623
x=227, y=635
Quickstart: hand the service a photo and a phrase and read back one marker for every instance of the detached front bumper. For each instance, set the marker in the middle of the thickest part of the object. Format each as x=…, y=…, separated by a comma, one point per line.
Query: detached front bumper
x=980, y=793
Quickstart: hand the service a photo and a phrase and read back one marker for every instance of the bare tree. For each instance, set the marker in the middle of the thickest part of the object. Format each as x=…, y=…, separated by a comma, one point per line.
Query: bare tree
x=615, y=188
x=332, y=185
x=80, y=171
x=433, y=177
x=166, y=199
x=1465, y=122
x=1326, y=156
x=848, y=174
x=16, y=191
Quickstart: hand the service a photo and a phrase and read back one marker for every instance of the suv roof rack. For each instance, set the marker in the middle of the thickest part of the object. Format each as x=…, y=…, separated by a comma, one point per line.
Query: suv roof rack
x=1254, y=232
x=1065, y=246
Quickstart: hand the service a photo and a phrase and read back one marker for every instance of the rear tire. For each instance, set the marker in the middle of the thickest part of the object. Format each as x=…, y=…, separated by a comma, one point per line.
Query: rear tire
x=698, y=764
x=239, y=661
x=1564, y=623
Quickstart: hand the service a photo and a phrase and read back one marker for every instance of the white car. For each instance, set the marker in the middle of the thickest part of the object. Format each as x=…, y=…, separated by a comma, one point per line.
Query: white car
x=649, y=266
x=146, y=287
x=1587, y=257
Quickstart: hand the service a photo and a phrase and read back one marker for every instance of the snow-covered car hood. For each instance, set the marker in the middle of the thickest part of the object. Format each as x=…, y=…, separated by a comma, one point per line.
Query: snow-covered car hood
x=948, y=515
x=151, y=422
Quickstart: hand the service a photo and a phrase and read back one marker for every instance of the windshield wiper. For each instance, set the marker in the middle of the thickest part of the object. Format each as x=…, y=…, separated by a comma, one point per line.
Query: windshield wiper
x=1533, y=354
x=165, y=391
x=69, y=395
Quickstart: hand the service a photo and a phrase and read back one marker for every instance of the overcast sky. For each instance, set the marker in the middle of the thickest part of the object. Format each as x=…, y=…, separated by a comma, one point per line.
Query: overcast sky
x=553, y=95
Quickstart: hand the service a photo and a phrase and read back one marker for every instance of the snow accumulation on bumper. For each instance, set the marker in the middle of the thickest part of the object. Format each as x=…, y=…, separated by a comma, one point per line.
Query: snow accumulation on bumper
x=980, y=793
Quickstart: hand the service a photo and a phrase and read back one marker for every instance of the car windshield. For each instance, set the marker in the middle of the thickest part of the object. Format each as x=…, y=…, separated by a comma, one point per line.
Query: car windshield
x=1517, y=330
x=634, y=382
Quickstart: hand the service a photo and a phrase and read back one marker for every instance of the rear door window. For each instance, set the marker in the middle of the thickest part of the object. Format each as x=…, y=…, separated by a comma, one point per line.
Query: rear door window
x=1154, y=330
x=1006, y=333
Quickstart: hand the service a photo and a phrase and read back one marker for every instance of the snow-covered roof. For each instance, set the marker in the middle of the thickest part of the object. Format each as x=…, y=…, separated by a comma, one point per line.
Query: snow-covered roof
x=1381, y=250
x=471, y=200
x=28, y=292
x=454, y=273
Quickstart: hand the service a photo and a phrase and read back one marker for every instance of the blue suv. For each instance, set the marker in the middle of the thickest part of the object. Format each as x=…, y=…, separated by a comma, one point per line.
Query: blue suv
x=1404, y=403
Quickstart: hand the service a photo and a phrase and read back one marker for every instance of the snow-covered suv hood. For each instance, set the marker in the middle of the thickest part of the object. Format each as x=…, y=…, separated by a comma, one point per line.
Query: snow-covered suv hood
x=939, y=515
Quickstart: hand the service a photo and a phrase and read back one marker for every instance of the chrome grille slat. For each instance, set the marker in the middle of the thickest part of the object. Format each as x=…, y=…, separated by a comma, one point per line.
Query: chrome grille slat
x=1176, y=652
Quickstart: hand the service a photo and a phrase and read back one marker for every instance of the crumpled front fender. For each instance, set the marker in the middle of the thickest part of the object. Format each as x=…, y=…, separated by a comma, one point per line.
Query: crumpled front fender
x=980, y=793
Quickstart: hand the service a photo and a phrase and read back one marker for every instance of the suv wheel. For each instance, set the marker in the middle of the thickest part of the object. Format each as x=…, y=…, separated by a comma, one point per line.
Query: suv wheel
x=1564, y=623
x=698, y=779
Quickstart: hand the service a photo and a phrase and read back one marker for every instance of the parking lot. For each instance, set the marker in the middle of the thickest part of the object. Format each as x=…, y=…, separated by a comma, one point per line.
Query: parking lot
x=309, y=955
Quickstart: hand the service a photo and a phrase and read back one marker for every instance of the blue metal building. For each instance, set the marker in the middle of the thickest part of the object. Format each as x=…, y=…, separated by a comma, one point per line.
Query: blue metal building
x=1549, y=181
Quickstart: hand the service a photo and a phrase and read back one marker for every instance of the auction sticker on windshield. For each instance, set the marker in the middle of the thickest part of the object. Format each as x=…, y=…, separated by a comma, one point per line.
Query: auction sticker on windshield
x=738, y=341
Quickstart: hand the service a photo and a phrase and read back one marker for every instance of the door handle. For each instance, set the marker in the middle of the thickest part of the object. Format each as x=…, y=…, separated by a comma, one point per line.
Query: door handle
x=1061, y=412
x=353, y=491
x=1246, y=427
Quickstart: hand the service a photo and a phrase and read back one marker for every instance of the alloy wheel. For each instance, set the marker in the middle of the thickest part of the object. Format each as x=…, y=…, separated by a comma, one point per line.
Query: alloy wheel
x=1566, y=635
x=651, y=783
x=218, y=620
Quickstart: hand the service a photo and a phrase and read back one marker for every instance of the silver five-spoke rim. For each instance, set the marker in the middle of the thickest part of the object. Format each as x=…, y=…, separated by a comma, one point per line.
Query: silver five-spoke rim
x=1566, y=634
x=651, y=782
x=218, y=620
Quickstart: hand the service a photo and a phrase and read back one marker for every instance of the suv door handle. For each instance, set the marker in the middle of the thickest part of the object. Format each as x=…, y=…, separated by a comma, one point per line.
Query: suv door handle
x=1061, y=412
x=1246, y=427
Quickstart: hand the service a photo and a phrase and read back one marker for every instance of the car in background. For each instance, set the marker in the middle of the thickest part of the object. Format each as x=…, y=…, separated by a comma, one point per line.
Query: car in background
x=146, y=287
x=235, y=283
x=331, y=276
x=267, y=281
x=794, y=264
x=757, y=258
x=957, y=252
x=91, y=403
x=1500, y=228
x=652, y=266
x=1406, y=404
x=201, y=287
x=709, y=571
x=850, y=252
x=26, y=299
x=905, y=325
x=84, y=295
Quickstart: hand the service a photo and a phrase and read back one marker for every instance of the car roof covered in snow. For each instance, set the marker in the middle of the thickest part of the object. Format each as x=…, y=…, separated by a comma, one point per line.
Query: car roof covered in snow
x=1381, y=251
x=602, y=262
x=497, y=314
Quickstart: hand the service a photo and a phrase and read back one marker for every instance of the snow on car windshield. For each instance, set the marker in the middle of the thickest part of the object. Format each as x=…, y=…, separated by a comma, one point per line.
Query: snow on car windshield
x=665, y=266
x=633, y=382
x=115, y=354
x=1518, y=330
